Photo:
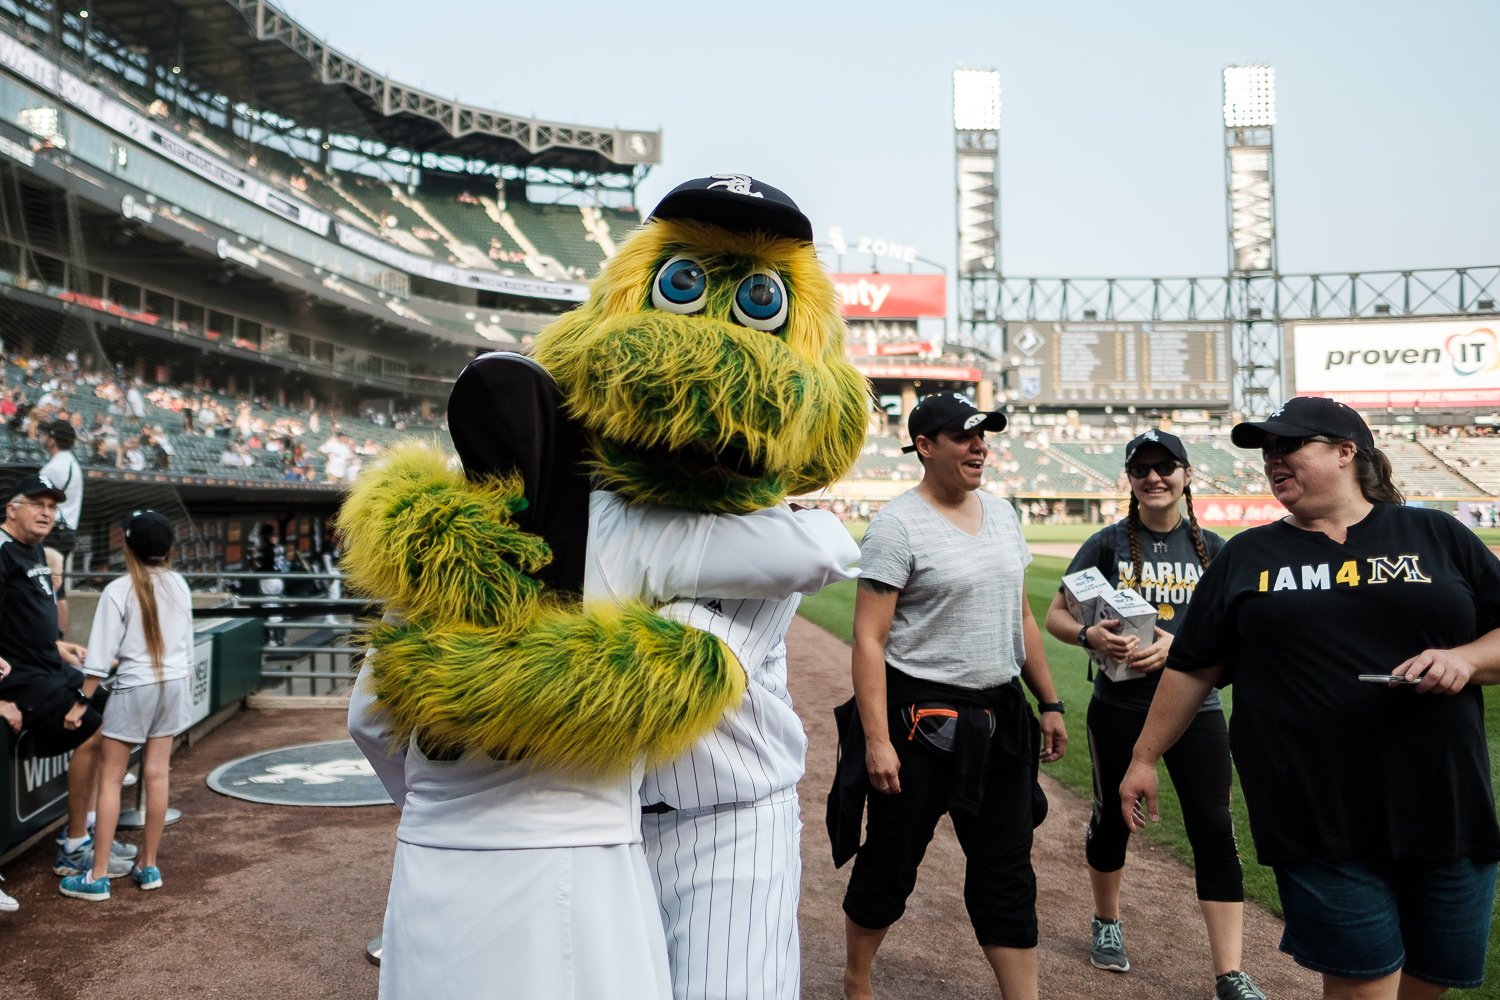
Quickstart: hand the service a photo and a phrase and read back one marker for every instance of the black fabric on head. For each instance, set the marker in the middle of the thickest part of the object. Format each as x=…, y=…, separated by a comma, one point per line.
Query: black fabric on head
x=506, y=415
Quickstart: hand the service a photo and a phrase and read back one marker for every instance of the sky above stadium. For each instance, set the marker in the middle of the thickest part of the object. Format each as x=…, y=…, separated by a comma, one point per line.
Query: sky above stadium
x=1112, y=160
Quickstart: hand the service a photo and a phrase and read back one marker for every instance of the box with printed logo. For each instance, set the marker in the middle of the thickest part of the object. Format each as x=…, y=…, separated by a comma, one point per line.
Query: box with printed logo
x=1082, y=591
x=1137, y=617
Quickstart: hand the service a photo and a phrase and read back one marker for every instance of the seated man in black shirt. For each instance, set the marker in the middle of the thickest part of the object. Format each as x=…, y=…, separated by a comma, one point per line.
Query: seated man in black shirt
x=42, y=692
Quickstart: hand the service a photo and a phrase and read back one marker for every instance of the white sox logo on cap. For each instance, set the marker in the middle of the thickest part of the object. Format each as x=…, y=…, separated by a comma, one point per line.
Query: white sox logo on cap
x=1151, y=436
x=735, y=184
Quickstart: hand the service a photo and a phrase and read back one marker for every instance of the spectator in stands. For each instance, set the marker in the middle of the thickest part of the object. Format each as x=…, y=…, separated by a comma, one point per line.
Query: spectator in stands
x=81, y=434
x=1370, y=801
x=132, y=456
x=135, y=401
x=144, y=623
x=208, y=417
x=156, y=449
x=1159, y=551
x=336, y=453
x=43, y=691
x=237, y=456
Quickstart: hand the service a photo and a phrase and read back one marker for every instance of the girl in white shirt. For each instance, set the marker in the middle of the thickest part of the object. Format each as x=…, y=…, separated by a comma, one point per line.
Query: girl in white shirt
x=145, y=622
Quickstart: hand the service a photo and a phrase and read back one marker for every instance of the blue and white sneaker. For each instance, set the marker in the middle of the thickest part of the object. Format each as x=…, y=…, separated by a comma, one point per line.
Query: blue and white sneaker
x=148, y=877
x=117, y=849
x=81, y=861
x=79, y=887
x=1108, y=951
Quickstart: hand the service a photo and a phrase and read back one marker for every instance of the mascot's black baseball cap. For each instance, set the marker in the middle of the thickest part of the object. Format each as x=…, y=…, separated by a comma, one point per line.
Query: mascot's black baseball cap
x=1304, y=416
x=1171, y=442
x=737, y=202
x=949, y=411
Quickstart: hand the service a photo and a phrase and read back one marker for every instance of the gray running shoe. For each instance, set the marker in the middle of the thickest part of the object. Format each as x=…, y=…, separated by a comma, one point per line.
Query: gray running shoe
x=1236, y=986
x=1109, y=946
x=81, y=861
x=117, y=849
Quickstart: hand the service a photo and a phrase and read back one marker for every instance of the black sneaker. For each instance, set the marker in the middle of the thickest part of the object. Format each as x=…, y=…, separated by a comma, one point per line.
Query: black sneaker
x=1236, y=986
x=1109, y=946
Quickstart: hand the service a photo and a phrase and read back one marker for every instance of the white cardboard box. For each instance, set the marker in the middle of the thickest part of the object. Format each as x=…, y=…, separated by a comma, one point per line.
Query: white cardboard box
x=1082, y=591
x=1136, y=617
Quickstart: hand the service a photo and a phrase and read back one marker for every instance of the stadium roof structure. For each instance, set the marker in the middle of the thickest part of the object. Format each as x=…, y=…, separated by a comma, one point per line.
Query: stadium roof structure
x=252, y=52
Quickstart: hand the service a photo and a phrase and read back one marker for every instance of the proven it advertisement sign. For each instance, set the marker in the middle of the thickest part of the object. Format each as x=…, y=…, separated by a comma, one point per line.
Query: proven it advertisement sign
x=1400, y=364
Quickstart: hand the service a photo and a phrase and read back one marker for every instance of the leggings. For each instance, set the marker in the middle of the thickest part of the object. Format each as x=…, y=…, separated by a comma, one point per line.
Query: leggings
x=1199, y=768
x=999, y=882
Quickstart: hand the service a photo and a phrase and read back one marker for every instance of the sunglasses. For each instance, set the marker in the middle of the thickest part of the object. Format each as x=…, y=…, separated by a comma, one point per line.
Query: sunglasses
x=1285, y=446
x=1141, y=470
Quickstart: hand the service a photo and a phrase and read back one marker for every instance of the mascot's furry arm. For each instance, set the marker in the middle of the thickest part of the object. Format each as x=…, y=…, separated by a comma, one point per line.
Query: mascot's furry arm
x=484, y=659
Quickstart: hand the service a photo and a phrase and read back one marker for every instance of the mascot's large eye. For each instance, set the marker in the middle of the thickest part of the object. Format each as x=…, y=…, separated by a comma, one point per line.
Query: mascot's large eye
x=760, y=302
x=681, y=286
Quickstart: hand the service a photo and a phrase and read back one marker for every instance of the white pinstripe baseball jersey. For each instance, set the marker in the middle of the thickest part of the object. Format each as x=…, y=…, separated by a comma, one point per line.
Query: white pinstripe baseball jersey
x=740, y=578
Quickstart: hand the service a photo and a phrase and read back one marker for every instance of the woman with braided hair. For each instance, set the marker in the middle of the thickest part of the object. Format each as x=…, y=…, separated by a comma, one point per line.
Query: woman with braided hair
x=1159, y=551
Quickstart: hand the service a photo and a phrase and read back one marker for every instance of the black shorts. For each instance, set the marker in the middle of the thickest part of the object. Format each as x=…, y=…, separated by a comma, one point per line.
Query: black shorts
x=45, y=704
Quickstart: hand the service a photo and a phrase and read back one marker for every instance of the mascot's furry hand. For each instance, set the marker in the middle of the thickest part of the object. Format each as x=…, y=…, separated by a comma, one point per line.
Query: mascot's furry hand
x=705, y=372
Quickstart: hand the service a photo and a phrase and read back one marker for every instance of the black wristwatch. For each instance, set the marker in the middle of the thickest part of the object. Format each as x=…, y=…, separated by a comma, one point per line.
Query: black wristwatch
x=1083, y=637
x=1051, y=706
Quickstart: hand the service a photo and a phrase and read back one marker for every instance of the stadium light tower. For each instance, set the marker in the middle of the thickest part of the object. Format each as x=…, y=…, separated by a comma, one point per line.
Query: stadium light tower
x=1249, y=117
x=976, y=133
x=1249, y=114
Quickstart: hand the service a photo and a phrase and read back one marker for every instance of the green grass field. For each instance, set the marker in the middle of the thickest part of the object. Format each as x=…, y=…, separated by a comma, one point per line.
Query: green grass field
x=833, y=610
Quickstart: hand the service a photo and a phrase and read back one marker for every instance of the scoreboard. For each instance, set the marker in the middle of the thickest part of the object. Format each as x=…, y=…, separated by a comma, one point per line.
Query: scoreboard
x=1093, y=364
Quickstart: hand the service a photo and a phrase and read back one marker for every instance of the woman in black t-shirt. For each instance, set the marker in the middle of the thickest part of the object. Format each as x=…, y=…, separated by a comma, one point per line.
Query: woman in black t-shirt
x=1371, y=801
x=1159, y=551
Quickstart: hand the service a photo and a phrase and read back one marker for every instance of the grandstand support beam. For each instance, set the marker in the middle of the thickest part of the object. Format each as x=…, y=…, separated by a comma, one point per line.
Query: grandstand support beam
x=979, y=324
x=1433, y=293
x=1257, y=385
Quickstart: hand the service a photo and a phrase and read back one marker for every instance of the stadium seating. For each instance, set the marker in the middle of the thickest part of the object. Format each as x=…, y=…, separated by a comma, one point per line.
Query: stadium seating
x=1477, y=459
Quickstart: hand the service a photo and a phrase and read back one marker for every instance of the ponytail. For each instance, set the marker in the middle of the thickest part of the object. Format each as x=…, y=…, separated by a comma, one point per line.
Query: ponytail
x=1373, y=470
x=142, y=582
x=1194, y=531
x=1132, y=524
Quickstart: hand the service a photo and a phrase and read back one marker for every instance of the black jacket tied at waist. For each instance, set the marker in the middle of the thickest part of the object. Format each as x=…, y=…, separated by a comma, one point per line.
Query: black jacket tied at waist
x=1015, y=734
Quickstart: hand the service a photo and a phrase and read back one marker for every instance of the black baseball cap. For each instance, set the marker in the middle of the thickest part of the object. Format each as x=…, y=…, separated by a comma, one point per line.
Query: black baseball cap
x=737, y=202
x=38, y=486
x=63, y=433
x=149, y=534
x=1171, y=442
x=1304, y=416
x=949, y=411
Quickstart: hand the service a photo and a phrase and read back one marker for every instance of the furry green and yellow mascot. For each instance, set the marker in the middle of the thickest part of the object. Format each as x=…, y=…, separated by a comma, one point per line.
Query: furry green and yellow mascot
x=606, y=583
